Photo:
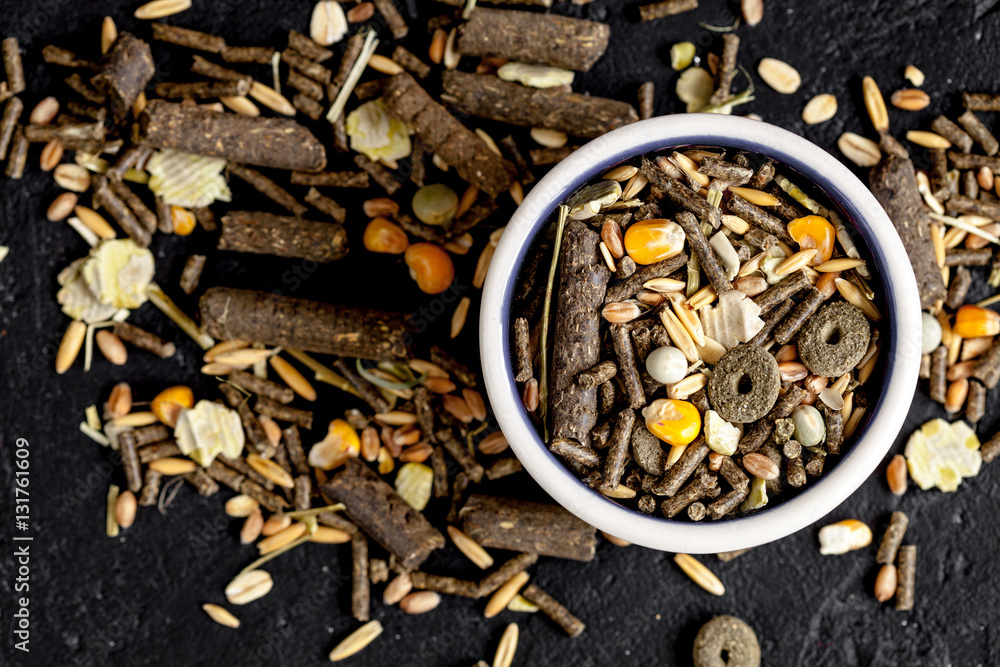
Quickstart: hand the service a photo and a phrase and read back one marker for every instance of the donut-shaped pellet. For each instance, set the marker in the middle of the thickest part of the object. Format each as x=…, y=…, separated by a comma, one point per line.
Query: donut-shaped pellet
x=730, y=636
x=744, y=384
x=834, y=340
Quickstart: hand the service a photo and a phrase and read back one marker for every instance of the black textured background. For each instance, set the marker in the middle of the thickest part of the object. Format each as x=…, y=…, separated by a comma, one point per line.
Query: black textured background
x=135, y=600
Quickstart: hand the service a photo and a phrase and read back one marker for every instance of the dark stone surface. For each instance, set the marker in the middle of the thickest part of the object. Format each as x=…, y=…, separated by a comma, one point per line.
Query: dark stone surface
x=135, y=600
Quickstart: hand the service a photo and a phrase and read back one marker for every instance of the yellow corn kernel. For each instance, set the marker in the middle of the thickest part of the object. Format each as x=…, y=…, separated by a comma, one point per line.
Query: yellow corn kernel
x=651, y=241
x=167, y=405
x=183, y=220
x=673, y=421
x=844, y=536
x=341, y=441
x=813, y=231
x=973, y=322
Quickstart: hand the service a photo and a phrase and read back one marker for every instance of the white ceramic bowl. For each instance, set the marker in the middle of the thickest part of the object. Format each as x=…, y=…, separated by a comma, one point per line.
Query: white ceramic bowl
x=900, y=328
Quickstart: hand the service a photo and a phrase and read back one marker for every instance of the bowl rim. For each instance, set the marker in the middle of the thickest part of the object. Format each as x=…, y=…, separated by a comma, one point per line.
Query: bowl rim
x=902, y=357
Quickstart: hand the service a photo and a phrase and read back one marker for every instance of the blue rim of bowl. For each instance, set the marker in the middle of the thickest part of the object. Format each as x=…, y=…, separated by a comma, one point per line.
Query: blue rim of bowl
x=901, y=359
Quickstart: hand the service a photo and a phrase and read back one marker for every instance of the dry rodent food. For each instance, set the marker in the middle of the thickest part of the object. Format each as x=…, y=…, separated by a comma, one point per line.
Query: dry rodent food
x=745, y=384
x=834, y=340
x=783, y=429
x=647, y=450
x=726, y=641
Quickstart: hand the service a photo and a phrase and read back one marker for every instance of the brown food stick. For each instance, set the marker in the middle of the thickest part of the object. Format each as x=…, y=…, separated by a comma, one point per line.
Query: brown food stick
x=576, y=334
x=125, y=71
x=554, y=109
x=518, y=525
x=445, y=135
x=284, y=236
x=383, y=515
x=894, y=184
x=262, y=142
x=547, y=39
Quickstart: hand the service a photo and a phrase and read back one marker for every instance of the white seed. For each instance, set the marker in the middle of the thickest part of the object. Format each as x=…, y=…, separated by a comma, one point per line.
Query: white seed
x=504, y=657
x=109, y=33
x=420, y=602
x=779, y=75
x=72, y=177
x=736, y=224
x=241, y=105
x=687, y=386
x=125, y=509
x=451, y=56
x=249, y=586
x=753, y=11
x=551, y=138
x=832, y=398
x=52, y=153
x=505, y=594
x=666, y=365
x=396, y=418
x=166, y=466
x=328, y=24
x=216, y=368
x=159, y=9
x=839, y=264
x=914, y=75
x=289, y=374
x=385, y=65
x=470, y=548
x=875, y=104
x=700, y=574
x=420, y=367
x=329, y=535
x=356, y=641
x=252, y=527
x=221, y=615
x=620, y=491
x=44, y=112
x=483, y=266
x=634, y=186
x=820, y=109
x=275, y=524
x=910, y=99
x=243, y=356
x=665, y=285
x=927, y=139
x=95, y=222
x=458, y=317
x=112, y=347
x=70, y=346
x=795, y=262
x=624, y=172
x=397, y=589
x=61, y=206
x=241, y=506
x=271, y=98
x=271, y=471
x=859, y=150
x=853, y=295
x=488, y=140
x=281, y=539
